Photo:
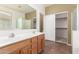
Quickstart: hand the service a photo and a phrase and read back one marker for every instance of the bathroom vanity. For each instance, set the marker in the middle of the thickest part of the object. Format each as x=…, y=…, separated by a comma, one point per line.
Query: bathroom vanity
x=19, y=30
x=33, y=44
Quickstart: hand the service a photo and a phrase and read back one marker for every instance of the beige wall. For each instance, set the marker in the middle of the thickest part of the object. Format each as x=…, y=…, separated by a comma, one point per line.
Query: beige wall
x=30, y=15
x=61, y=8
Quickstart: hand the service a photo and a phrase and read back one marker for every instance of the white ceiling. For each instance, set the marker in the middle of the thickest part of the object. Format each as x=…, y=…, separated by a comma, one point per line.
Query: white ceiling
x=46, y=5
x=24, y=7
x=19, y=7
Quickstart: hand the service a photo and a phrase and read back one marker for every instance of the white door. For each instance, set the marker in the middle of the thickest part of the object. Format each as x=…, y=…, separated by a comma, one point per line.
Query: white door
x=75, y=32
x=49, y=27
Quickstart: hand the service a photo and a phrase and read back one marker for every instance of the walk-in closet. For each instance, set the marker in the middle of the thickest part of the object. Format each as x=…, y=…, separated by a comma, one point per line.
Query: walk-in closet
x=61, y=25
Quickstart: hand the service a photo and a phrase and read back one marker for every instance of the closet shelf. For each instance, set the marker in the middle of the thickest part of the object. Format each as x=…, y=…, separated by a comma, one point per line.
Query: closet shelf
x=65, y=18
x=61, y=28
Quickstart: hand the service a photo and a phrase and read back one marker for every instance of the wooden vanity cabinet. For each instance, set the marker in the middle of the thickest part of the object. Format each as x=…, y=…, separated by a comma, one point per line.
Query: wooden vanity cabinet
x=32, y=45
x=27, y=48
x=31, y=48
x=23, y=47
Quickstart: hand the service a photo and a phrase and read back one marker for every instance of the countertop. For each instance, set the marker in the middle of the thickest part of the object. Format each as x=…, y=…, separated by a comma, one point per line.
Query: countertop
x=7, y=41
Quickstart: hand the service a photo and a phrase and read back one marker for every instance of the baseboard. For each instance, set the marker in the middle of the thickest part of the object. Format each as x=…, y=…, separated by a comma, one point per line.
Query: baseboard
x=69, y=44
x=65, y=43
x=49, y=40
x=61, y=42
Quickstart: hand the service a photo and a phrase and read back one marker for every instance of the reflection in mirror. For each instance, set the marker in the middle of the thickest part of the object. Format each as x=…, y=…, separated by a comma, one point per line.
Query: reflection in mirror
x=19, y=22
x=5, y=20
x=28, y=21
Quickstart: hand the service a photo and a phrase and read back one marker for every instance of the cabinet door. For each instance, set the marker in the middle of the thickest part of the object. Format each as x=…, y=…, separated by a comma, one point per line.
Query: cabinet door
x=27, y=48
x=34, y=45
x=40, y=43
x=43, y=42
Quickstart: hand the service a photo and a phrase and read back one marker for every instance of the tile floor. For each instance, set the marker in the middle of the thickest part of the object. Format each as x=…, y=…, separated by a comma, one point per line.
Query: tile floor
x=56, y=48
x=64, y=40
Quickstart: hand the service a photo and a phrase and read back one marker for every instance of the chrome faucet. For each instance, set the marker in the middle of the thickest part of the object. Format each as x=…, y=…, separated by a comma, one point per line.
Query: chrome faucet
x=34, y=32
x=11, y=35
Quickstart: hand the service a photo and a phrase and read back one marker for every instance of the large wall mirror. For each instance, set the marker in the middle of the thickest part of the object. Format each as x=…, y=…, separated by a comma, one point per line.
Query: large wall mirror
x=22, y=16
x=5, y=20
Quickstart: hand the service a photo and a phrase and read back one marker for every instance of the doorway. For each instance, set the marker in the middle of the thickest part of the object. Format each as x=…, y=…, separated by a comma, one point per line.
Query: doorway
x=41, y=22
x=61, y=27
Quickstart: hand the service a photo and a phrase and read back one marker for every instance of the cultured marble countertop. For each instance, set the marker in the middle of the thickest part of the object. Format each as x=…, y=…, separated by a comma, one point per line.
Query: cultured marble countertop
x=6, y=40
